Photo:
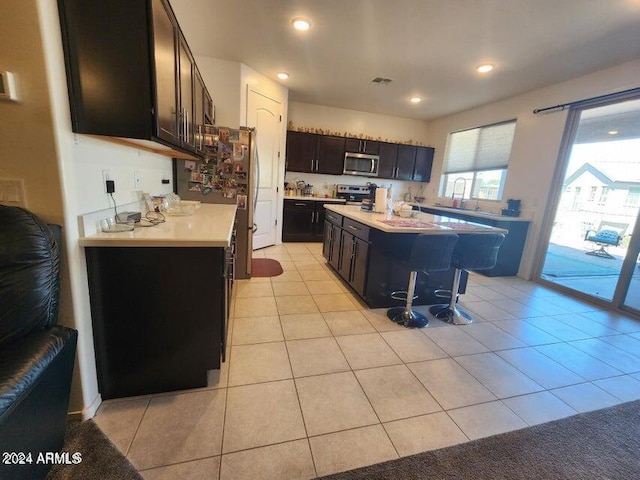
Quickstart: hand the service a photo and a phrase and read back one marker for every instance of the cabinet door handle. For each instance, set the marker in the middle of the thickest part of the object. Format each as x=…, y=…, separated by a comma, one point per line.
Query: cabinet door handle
x=364, y=148
x=312, y=164
x=317, y=160
x=300, y=204
x=353, y=228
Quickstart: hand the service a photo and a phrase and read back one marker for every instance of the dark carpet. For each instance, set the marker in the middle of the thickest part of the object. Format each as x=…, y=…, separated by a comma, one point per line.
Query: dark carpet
x=604, y=444
x=265, y=267
x=101, y=460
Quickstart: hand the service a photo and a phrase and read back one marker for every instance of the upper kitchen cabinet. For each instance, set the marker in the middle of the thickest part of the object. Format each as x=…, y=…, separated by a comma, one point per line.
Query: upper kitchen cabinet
x=405, y=162
x=388, y=157
x=424, y=162
x=131, y=75
x=311, y=153
x=355, y=145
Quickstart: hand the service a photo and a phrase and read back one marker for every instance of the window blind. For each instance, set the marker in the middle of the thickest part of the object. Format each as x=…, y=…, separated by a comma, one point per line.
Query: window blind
x=483, y=148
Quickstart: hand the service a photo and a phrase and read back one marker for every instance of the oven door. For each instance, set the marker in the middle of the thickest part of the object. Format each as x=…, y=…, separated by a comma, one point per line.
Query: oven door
x=361, y=164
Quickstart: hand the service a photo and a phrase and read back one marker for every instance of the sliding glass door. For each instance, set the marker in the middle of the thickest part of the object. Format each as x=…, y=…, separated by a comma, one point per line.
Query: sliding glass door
x=593, y=245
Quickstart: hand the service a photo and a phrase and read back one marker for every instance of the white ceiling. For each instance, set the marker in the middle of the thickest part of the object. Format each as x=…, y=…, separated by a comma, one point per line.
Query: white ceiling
x=429, y=48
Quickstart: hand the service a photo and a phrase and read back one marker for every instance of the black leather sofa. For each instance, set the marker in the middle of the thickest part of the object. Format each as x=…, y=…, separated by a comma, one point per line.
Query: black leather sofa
x=36, y=355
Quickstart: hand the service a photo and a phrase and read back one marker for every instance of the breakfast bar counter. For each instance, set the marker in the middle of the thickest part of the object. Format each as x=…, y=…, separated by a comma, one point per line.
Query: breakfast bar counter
x=364, y=248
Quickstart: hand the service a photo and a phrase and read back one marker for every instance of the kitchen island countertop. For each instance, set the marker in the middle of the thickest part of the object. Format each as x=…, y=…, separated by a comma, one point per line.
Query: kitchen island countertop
x=210, y=226
x=471, y=213
x=421, y=223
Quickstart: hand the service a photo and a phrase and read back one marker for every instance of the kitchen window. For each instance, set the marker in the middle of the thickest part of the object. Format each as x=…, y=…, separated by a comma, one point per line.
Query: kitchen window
x=480, y=156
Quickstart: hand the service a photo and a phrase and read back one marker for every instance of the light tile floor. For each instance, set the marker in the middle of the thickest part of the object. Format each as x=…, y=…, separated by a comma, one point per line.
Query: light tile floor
x=317, y=383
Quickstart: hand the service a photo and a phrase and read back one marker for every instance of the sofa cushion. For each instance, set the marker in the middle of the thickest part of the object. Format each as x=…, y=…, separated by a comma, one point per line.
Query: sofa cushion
x=29, y=274
x=25, y=360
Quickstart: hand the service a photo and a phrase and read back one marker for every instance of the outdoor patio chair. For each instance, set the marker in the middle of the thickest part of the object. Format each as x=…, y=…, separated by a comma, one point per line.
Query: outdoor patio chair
x=608, y=234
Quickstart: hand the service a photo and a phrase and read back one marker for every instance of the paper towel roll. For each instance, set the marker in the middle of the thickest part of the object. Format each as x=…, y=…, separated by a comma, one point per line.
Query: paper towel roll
x=381, y=200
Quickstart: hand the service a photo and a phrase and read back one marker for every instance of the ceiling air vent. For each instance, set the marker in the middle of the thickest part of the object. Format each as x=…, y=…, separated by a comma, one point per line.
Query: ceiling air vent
x=381, y=81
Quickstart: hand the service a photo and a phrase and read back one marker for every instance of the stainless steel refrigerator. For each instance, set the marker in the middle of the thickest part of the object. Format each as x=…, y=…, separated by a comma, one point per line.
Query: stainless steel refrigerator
x=228, y=174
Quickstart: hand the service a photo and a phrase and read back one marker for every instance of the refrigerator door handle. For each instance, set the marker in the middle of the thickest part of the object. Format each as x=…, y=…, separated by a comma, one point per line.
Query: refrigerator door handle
x=257, y=177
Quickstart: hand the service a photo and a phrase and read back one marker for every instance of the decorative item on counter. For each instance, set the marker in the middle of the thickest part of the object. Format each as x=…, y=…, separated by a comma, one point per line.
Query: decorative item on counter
x=513, y=208
x=408, y=197
x=404, y=210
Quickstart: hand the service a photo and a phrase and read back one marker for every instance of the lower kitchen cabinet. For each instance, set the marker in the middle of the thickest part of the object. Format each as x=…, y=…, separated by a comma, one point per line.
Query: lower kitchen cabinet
x=159, y=316
x=303, y=220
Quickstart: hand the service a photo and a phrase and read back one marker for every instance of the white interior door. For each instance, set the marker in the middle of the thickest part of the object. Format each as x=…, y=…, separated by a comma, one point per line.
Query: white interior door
x=265, y=114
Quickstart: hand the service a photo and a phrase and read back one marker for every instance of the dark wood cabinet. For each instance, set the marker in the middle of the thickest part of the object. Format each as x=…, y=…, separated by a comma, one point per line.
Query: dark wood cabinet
x=388, y=158
x=406, y=162
x=303, y=220
x=423, y=164
x=301, y=152
x=169, y=340
x=298, y=220
x=131, y=75
x=331, y=244
x=347, y=250
x=186, y=76
x=311, y=153
x=199, y=119
x=355, y=145
x=330, y=157
x=166, y=69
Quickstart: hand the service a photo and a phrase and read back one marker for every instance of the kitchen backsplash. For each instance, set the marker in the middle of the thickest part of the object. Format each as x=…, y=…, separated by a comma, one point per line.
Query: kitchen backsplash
x=323, y=184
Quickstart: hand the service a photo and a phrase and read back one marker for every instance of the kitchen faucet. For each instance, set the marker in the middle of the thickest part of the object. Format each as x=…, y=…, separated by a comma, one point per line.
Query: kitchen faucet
x=464, y=189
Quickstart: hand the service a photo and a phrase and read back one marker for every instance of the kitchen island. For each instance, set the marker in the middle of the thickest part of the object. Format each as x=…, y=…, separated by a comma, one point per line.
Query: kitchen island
x=364, y=248
x=160, y=299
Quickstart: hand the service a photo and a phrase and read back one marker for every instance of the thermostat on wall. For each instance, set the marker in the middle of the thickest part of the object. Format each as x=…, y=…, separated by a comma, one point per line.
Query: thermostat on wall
x=8, y=87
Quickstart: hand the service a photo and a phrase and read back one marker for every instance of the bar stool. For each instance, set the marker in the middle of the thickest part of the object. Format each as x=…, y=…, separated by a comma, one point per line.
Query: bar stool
x=429, y=253
x=477, y=251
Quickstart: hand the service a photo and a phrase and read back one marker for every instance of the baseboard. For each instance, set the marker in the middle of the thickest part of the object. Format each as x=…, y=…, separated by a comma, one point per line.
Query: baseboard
x=87, y=412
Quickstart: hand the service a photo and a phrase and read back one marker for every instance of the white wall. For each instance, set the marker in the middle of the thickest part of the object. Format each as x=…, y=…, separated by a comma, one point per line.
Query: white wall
x=81, y=160
x=388, y=128
x=222, y=79
x=537, y=140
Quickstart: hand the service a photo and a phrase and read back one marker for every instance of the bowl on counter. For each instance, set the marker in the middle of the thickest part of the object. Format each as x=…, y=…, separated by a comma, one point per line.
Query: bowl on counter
x=419, y=199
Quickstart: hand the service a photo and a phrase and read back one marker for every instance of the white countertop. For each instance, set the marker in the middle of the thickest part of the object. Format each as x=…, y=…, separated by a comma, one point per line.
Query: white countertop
x=210, y=226
x=315, y=199
x=423, y=222
x=472, y=213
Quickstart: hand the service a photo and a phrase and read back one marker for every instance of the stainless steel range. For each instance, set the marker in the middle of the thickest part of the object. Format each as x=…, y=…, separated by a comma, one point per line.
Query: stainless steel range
x=353, y=194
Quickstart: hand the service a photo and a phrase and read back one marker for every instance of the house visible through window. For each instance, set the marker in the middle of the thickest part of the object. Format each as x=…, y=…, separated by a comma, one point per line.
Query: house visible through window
x=633, y=197
x=603, y=196
x=477, y=160
x=592, y=193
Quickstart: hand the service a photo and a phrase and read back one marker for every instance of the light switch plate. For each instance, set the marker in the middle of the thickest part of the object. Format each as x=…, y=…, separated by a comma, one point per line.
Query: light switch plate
x=12, y=192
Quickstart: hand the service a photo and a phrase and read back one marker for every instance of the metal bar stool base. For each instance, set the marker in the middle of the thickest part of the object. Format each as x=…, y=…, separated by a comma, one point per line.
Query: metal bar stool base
x=455, y=316
x=409, y=319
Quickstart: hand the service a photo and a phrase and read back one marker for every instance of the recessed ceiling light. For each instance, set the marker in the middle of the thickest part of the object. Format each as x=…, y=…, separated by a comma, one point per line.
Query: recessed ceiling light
x=283, y=75
x=300, y=23
x=613, y=132
x=485, y=67
x=415, y=99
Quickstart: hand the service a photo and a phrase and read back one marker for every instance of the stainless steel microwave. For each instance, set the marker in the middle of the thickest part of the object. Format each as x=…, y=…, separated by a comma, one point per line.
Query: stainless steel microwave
x=361, y=164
